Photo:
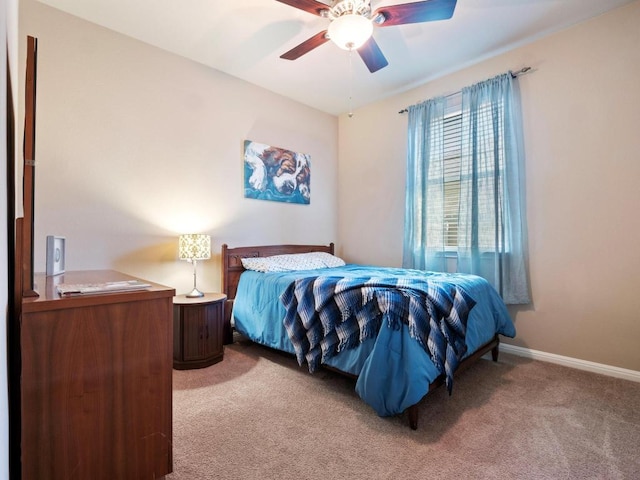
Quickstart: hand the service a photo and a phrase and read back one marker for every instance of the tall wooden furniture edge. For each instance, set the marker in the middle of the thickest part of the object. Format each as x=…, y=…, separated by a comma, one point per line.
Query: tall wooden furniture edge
x=28, y=182
x=19, y=243
x=232, y=269
x=14, y=290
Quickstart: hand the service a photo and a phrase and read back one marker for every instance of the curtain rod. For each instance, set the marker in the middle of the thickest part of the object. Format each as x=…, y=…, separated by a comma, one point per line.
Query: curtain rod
x=515, y=74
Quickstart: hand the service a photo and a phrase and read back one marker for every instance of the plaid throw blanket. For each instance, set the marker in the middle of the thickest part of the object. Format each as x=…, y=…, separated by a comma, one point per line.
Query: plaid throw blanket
x=327, y=314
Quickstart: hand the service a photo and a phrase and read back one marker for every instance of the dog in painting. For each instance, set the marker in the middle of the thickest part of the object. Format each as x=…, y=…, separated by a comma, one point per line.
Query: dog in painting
x=258, y=178
x=286, y=170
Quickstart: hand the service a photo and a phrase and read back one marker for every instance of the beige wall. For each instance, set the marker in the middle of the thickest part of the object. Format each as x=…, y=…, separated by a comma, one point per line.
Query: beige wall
x=581, y=119
x=135, y=146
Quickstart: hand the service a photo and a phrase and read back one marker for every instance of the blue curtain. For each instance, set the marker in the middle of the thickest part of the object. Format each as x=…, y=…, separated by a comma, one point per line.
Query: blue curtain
x=424, y=199
x=492, y=232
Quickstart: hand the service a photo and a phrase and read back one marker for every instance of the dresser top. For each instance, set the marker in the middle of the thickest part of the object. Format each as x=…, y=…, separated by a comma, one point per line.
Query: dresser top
x=50, y=299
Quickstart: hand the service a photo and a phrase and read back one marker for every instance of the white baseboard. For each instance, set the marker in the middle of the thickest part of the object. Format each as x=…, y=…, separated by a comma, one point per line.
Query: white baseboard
x=600, y=368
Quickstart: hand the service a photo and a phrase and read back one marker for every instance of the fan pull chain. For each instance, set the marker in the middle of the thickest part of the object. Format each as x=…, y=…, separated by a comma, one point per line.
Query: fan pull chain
x=350, y=83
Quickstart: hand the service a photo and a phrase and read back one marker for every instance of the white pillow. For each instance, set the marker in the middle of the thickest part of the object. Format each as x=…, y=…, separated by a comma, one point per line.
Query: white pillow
x=294, y=261
x=329, y=260
x=255, y=263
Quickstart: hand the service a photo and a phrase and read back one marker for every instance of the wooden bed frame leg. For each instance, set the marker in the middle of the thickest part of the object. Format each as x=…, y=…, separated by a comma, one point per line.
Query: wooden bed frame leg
x=495, y=351
x=413, y=416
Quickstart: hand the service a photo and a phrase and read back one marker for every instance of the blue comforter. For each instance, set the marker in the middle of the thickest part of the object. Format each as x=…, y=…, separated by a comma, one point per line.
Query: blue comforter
x=394, y=370
x=327, y=314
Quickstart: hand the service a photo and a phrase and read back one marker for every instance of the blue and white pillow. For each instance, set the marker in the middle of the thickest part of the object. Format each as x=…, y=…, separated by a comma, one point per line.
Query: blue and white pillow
x=292, y=262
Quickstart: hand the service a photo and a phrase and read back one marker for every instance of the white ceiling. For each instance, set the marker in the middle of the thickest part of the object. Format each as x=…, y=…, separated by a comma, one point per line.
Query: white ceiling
x=245, y=38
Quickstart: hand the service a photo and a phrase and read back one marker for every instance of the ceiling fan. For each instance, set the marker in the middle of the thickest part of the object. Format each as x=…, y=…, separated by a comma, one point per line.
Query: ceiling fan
x=352, y=24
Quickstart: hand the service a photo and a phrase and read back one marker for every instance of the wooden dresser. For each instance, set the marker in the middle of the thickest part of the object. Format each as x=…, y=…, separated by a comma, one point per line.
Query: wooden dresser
x=96, y=382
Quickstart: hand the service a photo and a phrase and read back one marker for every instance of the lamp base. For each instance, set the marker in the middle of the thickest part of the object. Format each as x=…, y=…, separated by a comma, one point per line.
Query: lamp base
x=195, y=293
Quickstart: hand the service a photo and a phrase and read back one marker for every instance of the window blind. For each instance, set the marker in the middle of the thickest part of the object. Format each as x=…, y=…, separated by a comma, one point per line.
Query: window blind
x=451, y=168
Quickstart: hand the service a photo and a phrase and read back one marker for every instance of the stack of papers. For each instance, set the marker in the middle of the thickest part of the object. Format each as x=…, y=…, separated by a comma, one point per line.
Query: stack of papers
x=68, y=289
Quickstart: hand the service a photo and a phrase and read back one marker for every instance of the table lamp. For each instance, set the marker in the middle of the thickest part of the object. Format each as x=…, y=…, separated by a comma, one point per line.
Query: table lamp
x=194, y=247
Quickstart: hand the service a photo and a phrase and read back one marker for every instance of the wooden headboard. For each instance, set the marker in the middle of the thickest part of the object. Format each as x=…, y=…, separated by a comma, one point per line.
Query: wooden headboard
x=232, y=269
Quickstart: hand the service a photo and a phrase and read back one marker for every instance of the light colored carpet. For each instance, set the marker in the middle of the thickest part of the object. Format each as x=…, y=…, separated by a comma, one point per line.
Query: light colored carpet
x=257, y=415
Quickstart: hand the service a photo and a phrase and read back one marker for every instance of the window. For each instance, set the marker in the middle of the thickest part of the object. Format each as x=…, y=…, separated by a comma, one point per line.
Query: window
x=455, y=177
x=451, y=172
x=465, y=186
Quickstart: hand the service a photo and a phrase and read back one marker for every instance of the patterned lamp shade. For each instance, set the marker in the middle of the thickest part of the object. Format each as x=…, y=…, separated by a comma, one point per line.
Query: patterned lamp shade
x=194, y=247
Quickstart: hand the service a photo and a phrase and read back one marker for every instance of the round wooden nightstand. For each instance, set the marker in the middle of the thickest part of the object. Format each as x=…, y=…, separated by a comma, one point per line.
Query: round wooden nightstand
x=198, y=330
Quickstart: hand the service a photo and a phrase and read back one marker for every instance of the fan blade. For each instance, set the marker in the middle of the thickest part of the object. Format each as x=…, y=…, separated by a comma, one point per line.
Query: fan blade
x=372, y=56
x=310, y=6
x=306, y=46
x=416, y=12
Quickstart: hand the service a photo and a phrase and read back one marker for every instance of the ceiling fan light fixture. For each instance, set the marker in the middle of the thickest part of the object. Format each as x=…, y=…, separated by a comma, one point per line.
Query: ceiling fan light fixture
x=350, y=31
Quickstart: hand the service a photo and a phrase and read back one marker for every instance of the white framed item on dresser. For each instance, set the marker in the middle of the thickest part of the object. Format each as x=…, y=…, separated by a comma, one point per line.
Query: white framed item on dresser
x=55, y=255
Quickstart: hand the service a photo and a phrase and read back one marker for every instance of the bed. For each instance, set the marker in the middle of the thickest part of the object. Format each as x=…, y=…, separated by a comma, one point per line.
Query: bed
x=395, y=363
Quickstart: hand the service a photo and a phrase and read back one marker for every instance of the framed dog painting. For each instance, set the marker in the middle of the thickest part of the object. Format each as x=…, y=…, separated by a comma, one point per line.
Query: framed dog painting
x=276, y=174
